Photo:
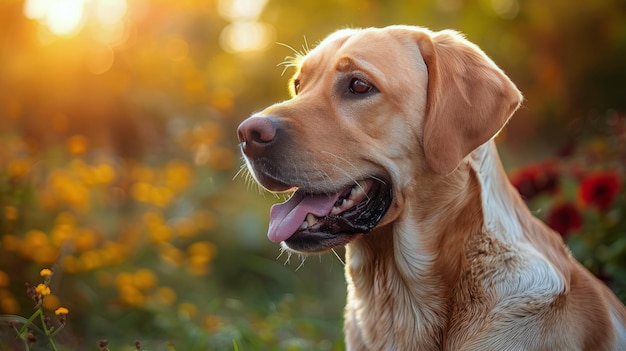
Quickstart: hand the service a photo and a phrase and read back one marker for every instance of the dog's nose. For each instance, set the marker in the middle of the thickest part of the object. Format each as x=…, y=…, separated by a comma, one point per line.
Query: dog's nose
x=255, y=134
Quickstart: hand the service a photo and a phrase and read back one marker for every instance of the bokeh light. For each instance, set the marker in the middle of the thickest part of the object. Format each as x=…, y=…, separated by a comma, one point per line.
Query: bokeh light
x=245, y=33
x=62, y=17
x=109, y=12
x=69, y=17
x=243, y=36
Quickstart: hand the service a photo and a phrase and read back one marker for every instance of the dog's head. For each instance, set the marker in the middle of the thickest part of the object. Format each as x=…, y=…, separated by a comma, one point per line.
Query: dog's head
x=370, y=110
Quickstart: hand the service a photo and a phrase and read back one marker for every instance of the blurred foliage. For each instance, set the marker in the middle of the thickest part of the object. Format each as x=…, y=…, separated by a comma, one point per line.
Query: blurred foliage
x=117, y=126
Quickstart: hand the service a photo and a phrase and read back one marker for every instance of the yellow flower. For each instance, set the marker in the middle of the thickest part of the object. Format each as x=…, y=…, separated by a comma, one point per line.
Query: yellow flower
x=43, y=290
x=61, y=310
x=45, y=272
x=177, y=175
x=4, y=280
x=51, y=302
x=166, y=295
x=76, y=144
x=10, y=213
x=203, y=249
x=212, y=323
x=221, y=158
x=187, y=310
x=144, y=279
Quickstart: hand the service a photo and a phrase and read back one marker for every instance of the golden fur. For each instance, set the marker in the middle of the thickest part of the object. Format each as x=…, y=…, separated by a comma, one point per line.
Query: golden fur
x=457, y=262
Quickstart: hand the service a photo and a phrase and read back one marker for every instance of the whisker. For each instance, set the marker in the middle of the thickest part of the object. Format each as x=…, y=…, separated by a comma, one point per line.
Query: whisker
x=295, y=51
x=338, y=257
x=261, y=190
x=379, y=179
x=244, y=172
x=291, y=61
x=346, y=173
x=288, y=259
x=242, y=169
x=282, y=251
x=288, y=63
x=342, y=159
x=327, y=178
x=305, y=46
x=251, y=183
x=302, y=259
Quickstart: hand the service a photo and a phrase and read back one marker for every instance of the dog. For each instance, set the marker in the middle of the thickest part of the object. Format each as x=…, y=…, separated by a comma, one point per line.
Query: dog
x=387, y=145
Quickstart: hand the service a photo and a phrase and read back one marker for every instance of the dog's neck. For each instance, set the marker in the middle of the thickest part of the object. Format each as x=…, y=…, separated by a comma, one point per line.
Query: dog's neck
x=423, y=262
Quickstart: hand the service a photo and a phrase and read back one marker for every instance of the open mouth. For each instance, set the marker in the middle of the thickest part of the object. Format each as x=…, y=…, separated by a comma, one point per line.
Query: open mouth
x=317, y=222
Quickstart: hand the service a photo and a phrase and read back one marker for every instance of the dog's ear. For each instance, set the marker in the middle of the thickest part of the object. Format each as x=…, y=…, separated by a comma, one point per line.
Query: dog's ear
x=469, y=99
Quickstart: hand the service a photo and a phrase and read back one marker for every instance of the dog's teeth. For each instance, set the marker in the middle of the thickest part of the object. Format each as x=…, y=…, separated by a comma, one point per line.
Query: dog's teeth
x=310, y=220
x=356, y=191
x=303, y=225
x=341, y=207
x=347, y=203
x=363, y=185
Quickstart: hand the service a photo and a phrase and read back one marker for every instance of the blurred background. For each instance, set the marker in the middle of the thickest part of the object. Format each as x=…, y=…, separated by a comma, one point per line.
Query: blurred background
x=120, y=171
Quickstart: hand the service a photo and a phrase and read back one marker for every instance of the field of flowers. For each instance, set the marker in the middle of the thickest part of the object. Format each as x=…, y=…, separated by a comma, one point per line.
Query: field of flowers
x=126, y=222
x=108, y=248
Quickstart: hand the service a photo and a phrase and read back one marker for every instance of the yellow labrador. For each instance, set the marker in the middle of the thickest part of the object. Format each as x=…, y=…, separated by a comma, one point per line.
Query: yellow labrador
x=387, y=142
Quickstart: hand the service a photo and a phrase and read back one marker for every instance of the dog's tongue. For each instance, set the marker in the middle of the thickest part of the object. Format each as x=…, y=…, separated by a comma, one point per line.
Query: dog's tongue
x=287, y=217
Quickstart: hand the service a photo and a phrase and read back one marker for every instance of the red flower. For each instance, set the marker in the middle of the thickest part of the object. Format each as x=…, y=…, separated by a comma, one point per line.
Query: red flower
x=600, y=189
x=564, y=218
x=536, y=179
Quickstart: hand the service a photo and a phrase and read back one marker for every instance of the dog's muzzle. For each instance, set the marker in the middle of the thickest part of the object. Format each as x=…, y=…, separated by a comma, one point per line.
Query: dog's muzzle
x=310, y=221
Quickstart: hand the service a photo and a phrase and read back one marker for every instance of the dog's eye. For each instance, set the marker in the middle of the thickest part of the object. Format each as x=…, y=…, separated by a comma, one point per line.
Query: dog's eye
x=296, y=86
x=359, y=86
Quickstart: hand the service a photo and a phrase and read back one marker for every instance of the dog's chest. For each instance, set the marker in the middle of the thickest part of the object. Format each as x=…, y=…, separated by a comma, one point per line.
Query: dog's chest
x=498, y=281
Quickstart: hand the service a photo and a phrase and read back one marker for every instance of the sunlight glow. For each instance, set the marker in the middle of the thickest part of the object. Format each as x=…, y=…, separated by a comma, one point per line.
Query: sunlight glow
x=245, y=33
x=36, y=9
x=67, y=17
x=63, y=17
x=110, y=11
x=244, y=36
x=235, y=10
x=507, y=9
x=100, y=59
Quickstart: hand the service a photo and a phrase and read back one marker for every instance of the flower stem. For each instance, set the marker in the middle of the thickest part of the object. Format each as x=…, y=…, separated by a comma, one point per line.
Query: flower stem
x=28, y=322
x=48, y=332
